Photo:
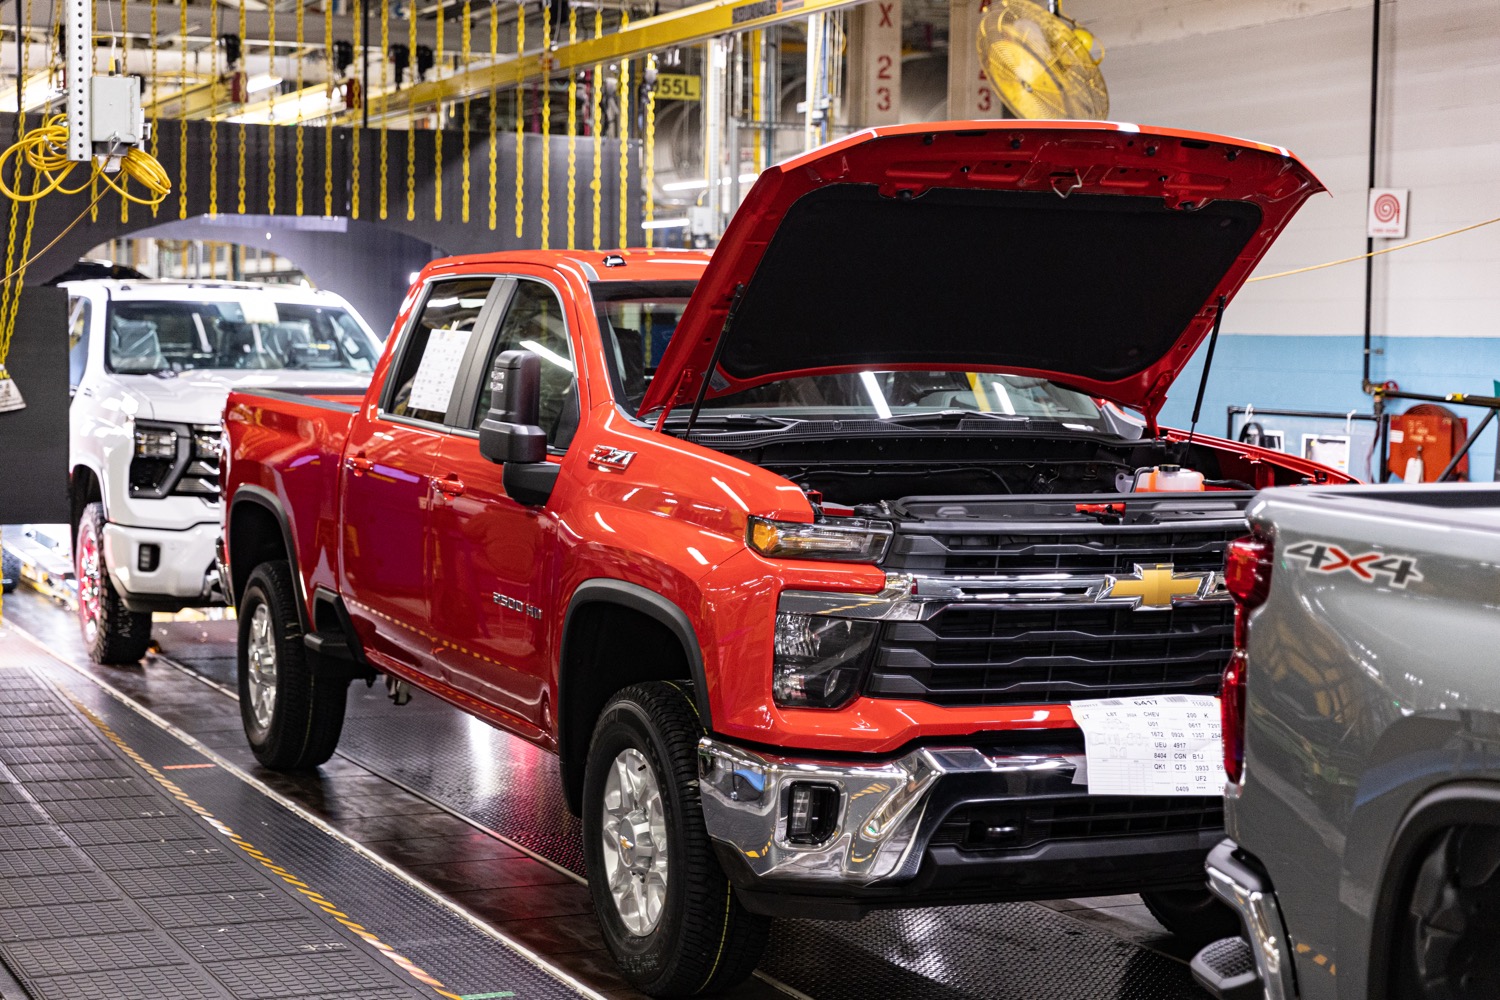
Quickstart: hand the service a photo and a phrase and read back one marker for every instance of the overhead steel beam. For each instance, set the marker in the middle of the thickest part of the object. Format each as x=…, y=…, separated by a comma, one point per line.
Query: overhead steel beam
x=681, y=27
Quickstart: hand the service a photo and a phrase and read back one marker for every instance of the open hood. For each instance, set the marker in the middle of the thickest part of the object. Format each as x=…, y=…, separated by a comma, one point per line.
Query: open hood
x=1089, y=253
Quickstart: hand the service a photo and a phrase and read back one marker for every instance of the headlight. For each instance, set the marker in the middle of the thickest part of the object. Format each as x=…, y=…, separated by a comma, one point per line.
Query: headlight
x=155, y=442
x=820, y=661
x=850, y=539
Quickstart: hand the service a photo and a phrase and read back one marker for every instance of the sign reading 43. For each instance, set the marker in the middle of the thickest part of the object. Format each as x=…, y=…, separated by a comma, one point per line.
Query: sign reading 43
x=1325, y=557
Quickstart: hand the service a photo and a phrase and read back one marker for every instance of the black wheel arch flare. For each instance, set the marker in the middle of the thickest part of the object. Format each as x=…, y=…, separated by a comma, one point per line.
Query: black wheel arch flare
x=573, y=734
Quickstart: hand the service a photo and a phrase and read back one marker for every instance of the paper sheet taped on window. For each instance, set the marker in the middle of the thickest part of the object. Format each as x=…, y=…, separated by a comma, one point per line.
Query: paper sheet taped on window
x=433, y=385
x=1164, y=745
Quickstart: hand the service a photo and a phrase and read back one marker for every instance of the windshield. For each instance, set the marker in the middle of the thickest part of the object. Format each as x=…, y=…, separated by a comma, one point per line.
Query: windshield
x=251, y=334
x=637, y=320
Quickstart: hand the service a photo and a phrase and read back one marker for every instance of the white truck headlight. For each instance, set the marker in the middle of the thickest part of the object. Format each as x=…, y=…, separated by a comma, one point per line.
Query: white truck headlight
x=155, y=442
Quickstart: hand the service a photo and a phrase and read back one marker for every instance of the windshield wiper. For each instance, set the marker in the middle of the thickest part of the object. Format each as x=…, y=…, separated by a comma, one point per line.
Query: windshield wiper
x=949, y=417
x=738, y=420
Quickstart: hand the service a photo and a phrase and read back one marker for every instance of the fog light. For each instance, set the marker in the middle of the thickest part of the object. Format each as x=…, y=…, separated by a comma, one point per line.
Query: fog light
x=820, y=661
x=812, y=813
x=147, y=558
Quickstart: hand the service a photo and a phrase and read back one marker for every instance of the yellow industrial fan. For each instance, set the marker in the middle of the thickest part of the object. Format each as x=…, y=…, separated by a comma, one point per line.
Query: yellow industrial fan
x=1042, y=63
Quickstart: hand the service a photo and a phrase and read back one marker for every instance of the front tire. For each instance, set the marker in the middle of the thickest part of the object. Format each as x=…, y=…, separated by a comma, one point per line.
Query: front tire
x=112, y=633
x=1194, y=916
x=292, y=717
x=667, y=910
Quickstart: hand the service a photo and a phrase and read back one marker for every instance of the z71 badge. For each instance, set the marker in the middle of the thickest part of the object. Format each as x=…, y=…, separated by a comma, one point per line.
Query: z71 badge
x=1325, y=557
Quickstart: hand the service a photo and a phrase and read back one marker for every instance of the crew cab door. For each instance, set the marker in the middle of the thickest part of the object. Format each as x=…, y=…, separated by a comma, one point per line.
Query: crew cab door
x=386, y=482
x=494, y=558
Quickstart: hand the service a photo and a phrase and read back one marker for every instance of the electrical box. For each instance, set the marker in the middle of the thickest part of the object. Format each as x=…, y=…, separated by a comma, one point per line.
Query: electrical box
x=115, y=115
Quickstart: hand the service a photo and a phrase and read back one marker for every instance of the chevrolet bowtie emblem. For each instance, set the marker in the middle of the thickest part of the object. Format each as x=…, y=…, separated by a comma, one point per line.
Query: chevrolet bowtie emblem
x=1155, y=586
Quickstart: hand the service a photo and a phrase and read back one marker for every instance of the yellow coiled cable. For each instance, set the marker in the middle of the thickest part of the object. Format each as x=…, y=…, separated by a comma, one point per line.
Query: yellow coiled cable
x=44, y=149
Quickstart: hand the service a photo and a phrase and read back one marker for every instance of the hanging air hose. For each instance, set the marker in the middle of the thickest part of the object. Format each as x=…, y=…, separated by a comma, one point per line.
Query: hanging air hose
x=328, y=66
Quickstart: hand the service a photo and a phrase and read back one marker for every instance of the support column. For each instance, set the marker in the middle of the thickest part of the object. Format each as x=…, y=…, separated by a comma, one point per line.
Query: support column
x=875, y=64
x=969, y=91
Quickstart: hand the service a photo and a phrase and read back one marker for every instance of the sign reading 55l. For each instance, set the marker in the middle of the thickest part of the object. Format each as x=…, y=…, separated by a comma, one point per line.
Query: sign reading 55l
x=679, y=87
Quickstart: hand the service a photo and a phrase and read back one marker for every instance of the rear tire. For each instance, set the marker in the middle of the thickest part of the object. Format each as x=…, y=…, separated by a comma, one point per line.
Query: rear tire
x=112, y=633
x=10, y=572
x=668, y=913
x=1194, y=916
x=1446, y=946
x=292, y=717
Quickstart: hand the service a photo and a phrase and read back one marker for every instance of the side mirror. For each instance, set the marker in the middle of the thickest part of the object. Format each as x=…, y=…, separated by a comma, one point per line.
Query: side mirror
x=511, y=431
x=511, y=435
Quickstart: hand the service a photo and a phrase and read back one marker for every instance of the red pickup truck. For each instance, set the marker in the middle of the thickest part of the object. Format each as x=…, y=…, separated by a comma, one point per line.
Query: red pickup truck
x=796, y=555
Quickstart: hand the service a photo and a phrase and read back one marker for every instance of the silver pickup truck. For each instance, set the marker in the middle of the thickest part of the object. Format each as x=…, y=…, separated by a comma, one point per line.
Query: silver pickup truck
x=1362, y=745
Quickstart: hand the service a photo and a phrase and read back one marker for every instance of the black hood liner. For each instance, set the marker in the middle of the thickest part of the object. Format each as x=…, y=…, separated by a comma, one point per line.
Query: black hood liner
x=1095, y=286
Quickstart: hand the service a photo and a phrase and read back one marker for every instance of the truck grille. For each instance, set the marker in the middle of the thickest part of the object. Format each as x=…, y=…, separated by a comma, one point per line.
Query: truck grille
x=200, y=477
x=1025, y=657
x=992, y=653
x=1088, y=553
x=1026, y=823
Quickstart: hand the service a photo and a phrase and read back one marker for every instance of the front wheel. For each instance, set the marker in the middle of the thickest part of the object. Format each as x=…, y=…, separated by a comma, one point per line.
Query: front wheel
x=111, y=632
x=1195, y=916
x=667, y=910
x=292, y=717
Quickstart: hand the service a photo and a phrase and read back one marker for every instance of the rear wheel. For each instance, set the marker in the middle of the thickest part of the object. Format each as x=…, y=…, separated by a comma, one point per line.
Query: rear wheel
x=292, y=717
x=1195, y=916
x=111, y=632
x=1446, y=950
x=667, y=910
x=10, y=571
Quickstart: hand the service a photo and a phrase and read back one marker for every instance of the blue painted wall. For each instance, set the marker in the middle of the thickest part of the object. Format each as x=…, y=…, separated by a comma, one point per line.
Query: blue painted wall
x=1323, y=373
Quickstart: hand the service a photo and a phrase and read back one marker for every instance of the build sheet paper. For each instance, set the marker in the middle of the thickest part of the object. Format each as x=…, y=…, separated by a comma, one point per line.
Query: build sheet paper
x=438, y=371
x=1164, y=745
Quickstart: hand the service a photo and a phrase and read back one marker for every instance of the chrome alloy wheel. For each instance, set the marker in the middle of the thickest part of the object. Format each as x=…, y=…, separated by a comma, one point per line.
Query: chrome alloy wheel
x=260, y=656
x=635, y=842
x=90, y=573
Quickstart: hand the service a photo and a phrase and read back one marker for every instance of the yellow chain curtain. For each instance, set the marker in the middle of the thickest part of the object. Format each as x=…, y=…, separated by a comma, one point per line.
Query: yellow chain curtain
x=182, y=157
x=328, y=122
x=466, y=40
x=356, y=9
x=623, y=128
x=213, y=126
x=572, y=134
x=271, y=128
x=494, y=157
x=240, y=70
x=596, y=186
x=385, y=86
x=520, y=125
x=155, y=86
x=648, y=157
x=437, y=132
x=301, y=85
x=411, y=116
x=546, y=129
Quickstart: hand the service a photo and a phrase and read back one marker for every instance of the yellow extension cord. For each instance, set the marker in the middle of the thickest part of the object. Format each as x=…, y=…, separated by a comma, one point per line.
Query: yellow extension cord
x=44, y=149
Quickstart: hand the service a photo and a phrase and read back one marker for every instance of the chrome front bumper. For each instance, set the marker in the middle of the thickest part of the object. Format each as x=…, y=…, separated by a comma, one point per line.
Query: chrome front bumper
x=745, y=795
x=1251, y=896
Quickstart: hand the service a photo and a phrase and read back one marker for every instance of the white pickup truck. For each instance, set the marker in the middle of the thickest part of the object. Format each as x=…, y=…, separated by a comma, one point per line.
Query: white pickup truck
x=151, y=363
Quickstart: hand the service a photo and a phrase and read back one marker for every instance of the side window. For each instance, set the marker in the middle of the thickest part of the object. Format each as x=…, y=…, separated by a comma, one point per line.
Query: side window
x=80, y=312
x=423, y=380
x=534, y=322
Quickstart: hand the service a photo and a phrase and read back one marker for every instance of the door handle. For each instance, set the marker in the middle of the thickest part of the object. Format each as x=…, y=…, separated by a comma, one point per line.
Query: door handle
x=449, y=486
x=358, y=464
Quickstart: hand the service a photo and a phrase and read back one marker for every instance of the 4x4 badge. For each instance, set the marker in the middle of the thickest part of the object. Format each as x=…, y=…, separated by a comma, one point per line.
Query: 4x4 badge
x=1157, y=586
